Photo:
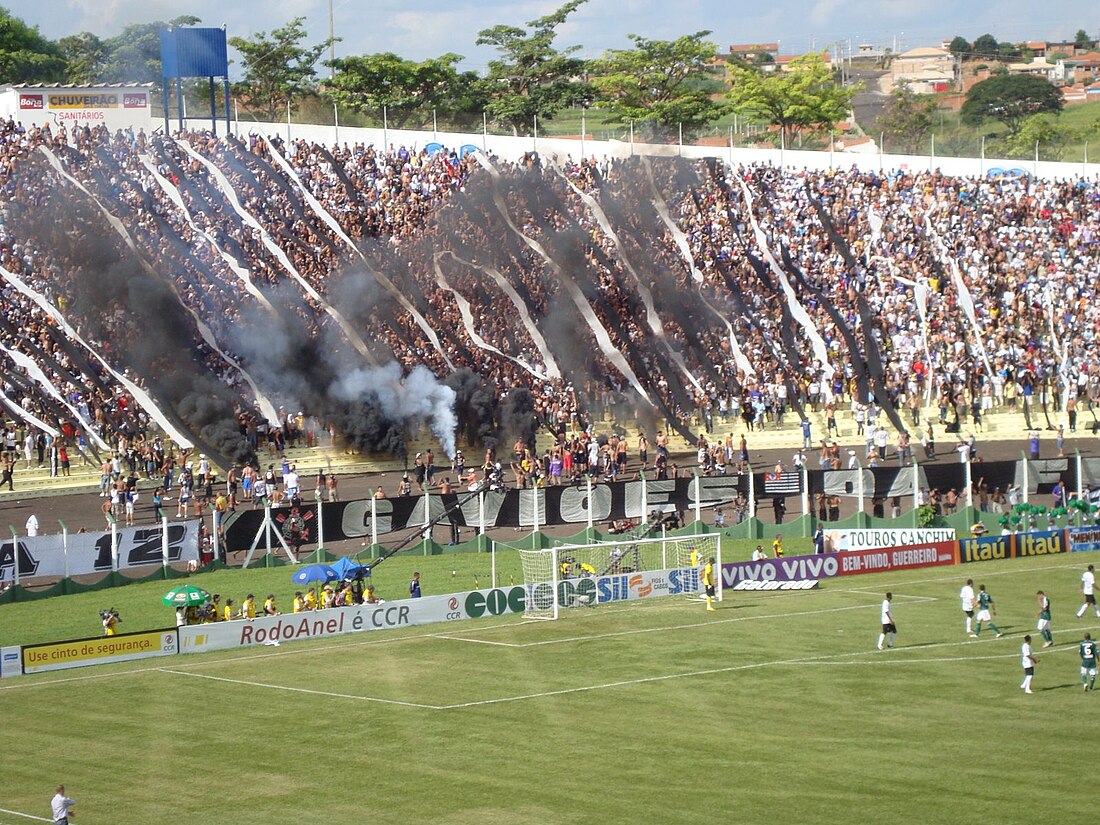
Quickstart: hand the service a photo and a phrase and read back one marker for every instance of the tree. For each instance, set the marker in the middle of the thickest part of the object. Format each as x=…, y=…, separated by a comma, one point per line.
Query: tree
x=1082, y=40
x=1010, y=99
x=1047, y=132
x=531, y=78
x=908, y=118
x=804, y=96
x=277, y=68
x=85, y=55
x=959, y=46
x=369, y=82
x=669, y=81
x=1007, y=51
x=25, y=55
x=986, y=46
x=133, y=56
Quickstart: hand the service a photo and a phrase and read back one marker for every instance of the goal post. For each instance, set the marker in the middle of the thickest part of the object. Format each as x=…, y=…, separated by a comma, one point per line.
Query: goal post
x=574, y=575
x=540, y=579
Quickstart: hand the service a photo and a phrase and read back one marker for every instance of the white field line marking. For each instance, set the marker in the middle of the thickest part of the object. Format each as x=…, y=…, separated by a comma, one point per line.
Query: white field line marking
x=478, y=641
x=28, y=816
x=877, y=595
x=202, y=660
x=699, y=624
x=299, y=689
x=807, y=660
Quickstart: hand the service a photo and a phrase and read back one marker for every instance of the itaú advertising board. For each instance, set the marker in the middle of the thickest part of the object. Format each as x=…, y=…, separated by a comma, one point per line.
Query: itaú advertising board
x=320, y=624
x=932, y=554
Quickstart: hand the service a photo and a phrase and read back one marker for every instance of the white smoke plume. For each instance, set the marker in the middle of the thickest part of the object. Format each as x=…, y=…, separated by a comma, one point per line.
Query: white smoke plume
x=419, y=395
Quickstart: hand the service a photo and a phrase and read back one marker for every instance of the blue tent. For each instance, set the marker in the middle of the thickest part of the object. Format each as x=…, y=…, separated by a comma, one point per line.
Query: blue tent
x=466, y=149
x=314, y=573
x=995, y=172
x=346, y=568
x=433, y=148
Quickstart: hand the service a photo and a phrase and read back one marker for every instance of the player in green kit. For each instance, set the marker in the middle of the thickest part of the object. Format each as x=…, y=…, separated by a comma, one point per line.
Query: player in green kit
x=1088, y=649
x=1044, y=618
x=986, y=611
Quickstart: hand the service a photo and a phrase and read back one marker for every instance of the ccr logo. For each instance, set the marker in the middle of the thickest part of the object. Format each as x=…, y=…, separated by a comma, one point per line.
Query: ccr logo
x=452, y=603
x=495, y=602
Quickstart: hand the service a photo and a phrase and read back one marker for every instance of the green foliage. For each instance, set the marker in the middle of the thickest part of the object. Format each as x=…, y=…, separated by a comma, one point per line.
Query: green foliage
x=1010, y=99
x=85, y=55
x=25, y=55
x=908, y=118
x=1008, y=51
x=668, y=81
x=1045, y=131
x=369, y=82
x=277, y=67
x=986, y=46
x=1082, y=40
x=804, y=96
x=531, y=78
x=959, y=46
x=926, y=515
x=133, y=56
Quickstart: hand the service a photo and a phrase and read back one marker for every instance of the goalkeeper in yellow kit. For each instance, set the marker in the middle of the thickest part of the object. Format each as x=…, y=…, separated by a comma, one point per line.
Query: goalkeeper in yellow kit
x=708, y=583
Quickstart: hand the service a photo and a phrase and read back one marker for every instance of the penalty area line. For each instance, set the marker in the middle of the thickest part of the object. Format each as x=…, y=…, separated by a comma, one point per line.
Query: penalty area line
x=291, y=689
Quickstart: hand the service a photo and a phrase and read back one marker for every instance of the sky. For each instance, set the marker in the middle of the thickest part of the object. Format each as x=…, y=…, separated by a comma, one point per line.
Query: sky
x=418, y=29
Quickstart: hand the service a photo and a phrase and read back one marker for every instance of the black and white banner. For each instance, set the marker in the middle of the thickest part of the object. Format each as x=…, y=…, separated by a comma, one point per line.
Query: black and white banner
x=85, y=553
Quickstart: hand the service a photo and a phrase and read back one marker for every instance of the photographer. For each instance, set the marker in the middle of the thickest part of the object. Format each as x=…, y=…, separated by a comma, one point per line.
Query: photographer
x=111, y=621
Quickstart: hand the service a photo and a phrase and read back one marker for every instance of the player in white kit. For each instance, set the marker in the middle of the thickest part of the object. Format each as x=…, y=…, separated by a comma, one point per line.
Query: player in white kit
x=967, y=597
x=1088, y=589
x=1028, y=662
x=889, y=630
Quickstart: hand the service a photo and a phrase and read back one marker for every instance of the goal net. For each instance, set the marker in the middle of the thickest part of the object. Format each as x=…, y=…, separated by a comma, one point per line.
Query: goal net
x=580, y=575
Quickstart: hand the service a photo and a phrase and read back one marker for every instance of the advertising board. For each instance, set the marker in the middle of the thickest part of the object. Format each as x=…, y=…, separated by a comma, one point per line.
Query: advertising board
x=101, y=650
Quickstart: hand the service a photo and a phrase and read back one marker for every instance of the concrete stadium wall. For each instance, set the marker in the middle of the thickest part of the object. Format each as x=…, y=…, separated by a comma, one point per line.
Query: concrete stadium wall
x=514, y=147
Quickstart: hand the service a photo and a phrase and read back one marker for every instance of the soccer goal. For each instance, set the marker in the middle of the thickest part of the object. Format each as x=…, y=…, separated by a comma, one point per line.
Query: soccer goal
x=584, y=575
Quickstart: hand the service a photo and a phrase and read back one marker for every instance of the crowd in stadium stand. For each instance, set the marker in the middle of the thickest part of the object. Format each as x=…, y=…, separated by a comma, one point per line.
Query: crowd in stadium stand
x=587, y=282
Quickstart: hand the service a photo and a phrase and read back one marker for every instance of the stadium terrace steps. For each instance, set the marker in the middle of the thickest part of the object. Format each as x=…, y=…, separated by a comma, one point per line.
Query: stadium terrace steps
x=999, y=426
x=36, y=482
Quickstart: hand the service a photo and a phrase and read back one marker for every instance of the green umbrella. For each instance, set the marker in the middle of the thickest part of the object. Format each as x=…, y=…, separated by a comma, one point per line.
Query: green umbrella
x=185, y=595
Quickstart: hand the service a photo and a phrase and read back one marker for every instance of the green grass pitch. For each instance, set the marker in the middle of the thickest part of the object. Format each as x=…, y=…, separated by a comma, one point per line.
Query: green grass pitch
x=775, y=708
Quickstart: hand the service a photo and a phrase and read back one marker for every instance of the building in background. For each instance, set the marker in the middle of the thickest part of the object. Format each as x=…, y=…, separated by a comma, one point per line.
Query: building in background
x=116, y=106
